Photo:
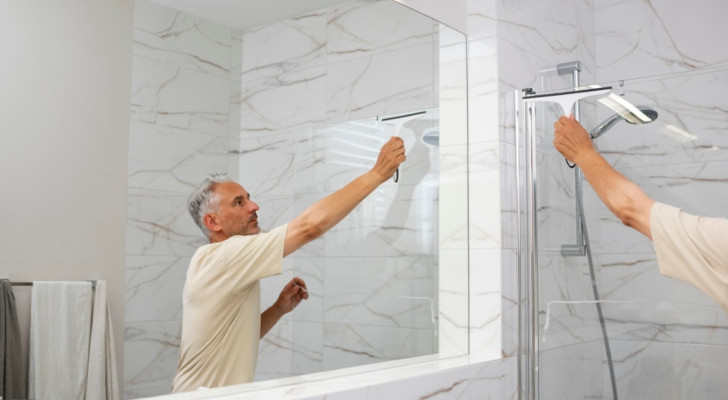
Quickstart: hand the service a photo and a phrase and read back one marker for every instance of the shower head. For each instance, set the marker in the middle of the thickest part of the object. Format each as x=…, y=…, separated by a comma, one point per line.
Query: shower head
x=608, y=123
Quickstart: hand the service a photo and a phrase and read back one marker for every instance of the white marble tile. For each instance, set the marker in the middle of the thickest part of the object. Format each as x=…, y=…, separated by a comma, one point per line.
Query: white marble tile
x=312, y=271
x=357, y=29
x=150, y=357
x=170, y=36
x=153, y=289
x=381, y=291
x=568, y=314
x=572, y=372
x=485, y=303
x=381, y=84
x=275, y=352
x=268, y=164
x=281, y=48
x=453, y=230
x=400, y=221
x=171, y=159
x=170, y=95
x=483, y=98
x=637, y=39
x=652, y=370
x=485, y=223
x=511, y=302
x=287, y=102
x=453, y=321
x=308, y=346
x=656, y=308
x=481, y=381
x=159, y=224
x=348, y=345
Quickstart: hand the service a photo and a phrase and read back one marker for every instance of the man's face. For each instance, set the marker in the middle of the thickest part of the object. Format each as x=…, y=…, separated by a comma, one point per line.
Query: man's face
x=236, y=213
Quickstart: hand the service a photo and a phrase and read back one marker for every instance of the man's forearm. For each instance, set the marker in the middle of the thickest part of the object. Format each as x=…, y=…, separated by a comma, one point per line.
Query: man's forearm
x=269, y=318
x=622, y=197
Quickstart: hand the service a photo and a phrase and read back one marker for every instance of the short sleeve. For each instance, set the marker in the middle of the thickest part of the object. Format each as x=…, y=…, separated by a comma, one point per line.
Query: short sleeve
x=692, y=249
x=251, y=258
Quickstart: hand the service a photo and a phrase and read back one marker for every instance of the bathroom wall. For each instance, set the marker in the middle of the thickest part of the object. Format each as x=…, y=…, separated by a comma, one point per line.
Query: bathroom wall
x=64, y=81
x=180, y=131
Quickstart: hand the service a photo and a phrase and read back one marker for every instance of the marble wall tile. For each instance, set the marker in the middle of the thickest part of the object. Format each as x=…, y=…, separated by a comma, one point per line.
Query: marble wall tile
x=170, y=95
x=351, y=33
x=275, y=352
x=572, y=372
x=479, y=381
x=348, y=345
x=381, y=84
x=154, y=164
x=153, y=289
x=150, y=357
x=654, y=307
x=453, y=231
x=173, y=37
x=453, y=321
x=485, y=303
x=295, y=100
x=636, y=39
x=284, y=48
x=159, y=224
x=381, y=291
x=654, y=370
x=313, y=271
x=308, y=347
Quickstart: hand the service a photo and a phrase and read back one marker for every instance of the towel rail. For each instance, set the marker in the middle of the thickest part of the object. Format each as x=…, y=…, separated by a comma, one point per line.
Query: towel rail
x=93, y=283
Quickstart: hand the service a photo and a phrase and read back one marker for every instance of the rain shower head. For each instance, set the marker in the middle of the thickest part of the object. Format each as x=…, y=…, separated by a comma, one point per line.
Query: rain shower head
x=608, y=123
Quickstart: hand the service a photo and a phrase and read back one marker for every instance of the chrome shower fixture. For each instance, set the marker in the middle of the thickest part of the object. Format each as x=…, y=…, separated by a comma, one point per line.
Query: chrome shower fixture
x=646, y=116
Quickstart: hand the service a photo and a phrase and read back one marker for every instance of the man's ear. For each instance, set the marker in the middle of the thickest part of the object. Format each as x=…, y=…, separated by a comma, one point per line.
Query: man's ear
x=212, y=223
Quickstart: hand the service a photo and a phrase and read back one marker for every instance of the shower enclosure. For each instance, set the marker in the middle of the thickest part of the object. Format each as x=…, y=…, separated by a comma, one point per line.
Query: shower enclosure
x=654, y=337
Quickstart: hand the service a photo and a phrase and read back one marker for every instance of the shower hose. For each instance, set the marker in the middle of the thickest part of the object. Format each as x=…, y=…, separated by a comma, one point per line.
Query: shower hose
x=587, y=245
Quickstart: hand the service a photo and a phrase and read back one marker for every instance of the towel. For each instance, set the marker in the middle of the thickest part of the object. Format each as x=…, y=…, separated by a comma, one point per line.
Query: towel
x=102, y=380
x=60, y=321
x=13, y=376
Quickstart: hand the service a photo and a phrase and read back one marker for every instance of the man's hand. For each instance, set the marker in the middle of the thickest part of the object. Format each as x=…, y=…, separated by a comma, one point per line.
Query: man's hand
x=571, y=139
x=390, y=157
x=292, y=294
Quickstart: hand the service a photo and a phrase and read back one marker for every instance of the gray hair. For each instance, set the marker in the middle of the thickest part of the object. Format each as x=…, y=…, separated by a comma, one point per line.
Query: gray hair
x=204, y=200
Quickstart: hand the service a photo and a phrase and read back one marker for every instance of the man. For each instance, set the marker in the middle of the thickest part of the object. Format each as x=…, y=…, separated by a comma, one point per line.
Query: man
x=222, y=323
x=689, y=248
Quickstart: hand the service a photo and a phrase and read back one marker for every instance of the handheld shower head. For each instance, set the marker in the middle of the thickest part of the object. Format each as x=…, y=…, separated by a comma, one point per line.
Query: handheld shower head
x=608, y=123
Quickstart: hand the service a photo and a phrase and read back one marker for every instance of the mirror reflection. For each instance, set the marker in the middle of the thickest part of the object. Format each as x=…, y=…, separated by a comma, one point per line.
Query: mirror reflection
x=293, y=110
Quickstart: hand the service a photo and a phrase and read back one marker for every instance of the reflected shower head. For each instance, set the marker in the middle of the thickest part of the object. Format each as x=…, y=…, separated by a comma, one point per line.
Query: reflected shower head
x=608, y=123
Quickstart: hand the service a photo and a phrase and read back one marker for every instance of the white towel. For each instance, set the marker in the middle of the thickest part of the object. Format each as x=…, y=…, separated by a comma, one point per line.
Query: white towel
x=60, y=321
x=102, y=382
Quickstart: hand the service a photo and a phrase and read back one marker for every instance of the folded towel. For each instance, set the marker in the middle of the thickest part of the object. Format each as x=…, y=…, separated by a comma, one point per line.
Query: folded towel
x=13, y=376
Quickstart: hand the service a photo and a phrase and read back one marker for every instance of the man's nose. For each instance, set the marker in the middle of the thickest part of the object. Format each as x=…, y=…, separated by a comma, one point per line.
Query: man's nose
x=254, y=206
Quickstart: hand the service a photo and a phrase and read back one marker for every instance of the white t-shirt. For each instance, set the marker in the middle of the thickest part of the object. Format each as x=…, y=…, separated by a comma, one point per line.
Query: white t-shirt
x=692, y=249
x=221, y=309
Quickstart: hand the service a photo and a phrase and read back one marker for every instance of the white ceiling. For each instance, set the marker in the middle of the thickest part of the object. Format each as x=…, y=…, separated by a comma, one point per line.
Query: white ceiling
x=246, y=14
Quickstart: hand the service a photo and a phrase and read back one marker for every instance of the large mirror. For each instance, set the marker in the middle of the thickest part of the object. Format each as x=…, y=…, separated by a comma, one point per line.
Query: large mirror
x=294, y=105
